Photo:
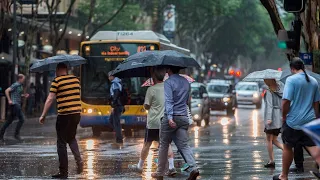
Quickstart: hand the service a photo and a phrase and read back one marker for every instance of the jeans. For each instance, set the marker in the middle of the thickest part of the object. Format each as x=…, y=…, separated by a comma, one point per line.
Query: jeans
x=115, y=122
x=298, y=156
x=16, y=111
x=180, y=137
x=66, y=127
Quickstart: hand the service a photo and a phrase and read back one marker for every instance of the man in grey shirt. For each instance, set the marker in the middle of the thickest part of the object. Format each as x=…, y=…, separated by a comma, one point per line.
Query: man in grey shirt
x=175, y=123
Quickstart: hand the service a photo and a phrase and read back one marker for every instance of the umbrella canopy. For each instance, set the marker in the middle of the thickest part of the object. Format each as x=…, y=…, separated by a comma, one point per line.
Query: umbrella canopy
x=313, y=130
x=150, y=82
x=50, y=64
x=287, y=72
x=259, y=76
x=137, y=64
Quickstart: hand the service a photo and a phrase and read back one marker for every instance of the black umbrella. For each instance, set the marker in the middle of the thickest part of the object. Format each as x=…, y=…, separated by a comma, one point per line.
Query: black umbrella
x=137, y=64
x=286, y=73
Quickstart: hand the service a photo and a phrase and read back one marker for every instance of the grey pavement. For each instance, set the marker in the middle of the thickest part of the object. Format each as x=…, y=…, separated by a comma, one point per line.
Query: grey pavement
x=233, y=151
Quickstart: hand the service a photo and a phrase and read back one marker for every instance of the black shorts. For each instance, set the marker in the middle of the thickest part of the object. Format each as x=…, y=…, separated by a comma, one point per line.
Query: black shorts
x=151, y=135
x=274, y=132
x=292, y=137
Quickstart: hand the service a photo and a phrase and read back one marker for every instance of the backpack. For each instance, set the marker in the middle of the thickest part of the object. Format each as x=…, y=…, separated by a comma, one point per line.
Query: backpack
x=124, y=98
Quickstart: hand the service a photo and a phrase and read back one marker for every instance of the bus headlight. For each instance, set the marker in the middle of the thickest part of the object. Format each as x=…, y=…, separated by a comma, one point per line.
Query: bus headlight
x=90, y=111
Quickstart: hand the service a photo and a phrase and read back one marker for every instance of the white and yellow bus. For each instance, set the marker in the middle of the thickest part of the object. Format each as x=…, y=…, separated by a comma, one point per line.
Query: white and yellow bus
x=104, y=51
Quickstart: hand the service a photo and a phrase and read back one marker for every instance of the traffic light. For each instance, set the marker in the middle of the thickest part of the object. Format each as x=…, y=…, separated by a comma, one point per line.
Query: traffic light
x=290, y=40
x=294, y=6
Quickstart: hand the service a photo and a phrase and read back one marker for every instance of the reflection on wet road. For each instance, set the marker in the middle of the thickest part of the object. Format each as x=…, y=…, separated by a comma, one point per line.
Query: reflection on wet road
x=229, y=148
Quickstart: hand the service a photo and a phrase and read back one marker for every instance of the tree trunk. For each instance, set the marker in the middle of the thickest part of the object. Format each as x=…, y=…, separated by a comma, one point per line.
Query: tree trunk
x=271, y=7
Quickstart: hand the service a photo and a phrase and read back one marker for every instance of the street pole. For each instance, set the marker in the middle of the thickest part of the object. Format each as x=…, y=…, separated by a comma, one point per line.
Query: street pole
x=15, y=41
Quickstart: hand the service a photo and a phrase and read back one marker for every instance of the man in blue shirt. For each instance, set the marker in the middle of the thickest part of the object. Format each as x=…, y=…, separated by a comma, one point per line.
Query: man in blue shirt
x=175, y=123
x=300, y=106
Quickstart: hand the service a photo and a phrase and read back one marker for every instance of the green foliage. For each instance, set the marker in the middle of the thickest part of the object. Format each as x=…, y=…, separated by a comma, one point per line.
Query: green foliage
x=127, y=19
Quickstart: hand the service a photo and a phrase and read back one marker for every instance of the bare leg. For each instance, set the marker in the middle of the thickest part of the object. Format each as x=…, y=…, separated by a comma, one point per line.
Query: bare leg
x=315, y=153
x=277, y=143
x=287, y=157
x=170, y=152
x=270, y=147
x=145, y=150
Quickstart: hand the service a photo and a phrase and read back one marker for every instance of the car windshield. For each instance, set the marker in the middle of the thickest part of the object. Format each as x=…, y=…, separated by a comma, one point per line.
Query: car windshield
x=221, y=89
x=246, y=87
x=195, y=93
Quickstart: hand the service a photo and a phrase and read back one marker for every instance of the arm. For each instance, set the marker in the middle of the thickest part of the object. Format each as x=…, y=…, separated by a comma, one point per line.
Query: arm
x=115, y=98
x=48, y=103
x=147, y=100
x=316, y=101
x=316, y=109
x=168, y=100
x=285, y=109
x=269, y=106
x=7, y=92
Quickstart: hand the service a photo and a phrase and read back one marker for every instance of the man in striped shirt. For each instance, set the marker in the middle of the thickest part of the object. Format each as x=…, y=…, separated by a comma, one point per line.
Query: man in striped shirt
x=66, y=90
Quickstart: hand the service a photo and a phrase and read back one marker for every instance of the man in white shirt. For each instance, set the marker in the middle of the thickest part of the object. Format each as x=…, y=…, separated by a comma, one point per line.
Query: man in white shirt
x=154, y=103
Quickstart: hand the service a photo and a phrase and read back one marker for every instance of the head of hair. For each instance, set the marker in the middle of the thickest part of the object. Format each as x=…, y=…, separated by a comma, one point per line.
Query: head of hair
x=159, y=73
x=62, y=66
x=20, y=77
x=110, y=73
x=174, y=69
x=297, y=64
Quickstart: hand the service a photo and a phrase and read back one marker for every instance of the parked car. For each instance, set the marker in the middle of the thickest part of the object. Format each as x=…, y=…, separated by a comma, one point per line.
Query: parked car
x=249, y=93
x=222, y=96
x=198, y=110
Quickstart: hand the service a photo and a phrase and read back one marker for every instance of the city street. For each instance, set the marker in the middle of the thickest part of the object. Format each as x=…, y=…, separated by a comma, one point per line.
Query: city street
x=233, y=151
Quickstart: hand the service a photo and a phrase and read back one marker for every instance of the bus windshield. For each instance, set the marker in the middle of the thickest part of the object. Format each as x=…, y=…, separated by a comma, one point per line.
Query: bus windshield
x=95, y=88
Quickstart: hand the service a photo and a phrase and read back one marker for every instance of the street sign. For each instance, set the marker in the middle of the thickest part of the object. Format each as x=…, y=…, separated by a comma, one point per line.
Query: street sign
x=169, y=25
x=28, y=1
x=306, y=58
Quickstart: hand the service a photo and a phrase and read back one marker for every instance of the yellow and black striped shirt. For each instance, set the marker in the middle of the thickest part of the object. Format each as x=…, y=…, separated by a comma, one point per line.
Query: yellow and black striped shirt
x=67, y=90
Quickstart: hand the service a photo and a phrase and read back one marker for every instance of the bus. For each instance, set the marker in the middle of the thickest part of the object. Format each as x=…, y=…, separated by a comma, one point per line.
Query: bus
x=104, y=52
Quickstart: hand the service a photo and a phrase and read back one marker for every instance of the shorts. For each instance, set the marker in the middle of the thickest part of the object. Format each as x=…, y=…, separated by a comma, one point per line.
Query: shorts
x=274, y=132
x=292, y=137
x=151, y=135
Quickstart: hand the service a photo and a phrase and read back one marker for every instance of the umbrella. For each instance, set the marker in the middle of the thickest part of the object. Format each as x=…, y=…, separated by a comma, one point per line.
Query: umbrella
x=50, y=64
x=287, y=72
x=137, y=64
x=259, y=76
x=313, y=130
x=149, y=82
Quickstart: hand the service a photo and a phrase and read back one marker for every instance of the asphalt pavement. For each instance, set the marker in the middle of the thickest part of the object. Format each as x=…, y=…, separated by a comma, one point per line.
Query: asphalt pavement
x=229, y=148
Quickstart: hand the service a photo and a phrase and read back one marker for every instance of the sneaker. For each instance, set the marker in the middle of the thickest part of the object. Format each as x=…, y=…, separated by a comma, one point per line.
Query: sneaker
x=315, y=174
x=194, y=174
x=120, y=141
x=270, y=165
x=185, y=167
x=135, y=168
x=79, y=168
x=171, y=172
x=157, y=176
x=60, y=176
x=296, y=170
x=17, y=137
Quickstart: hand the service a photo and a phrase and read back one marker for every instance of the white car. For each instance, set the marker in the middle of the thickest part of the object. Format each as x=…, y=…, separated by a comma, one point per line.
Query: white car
x=249, y=93
x=198, y=109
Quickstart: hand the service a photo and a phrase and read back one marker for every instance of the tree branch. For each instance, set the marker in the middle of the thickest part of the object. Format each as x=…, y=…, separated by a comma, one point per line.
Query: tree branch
x=271, y=7
x=124, y=2
x=89, y=21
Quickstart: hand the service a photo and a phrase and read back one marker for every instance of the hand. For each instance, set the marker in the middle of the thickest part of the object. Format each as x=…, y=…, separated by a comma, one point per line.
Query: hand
x=112, y=109
x=42, y=119
x=10, y=102
x=26, y=95
x=284, y=119
x=269, y=122
x=172, y=124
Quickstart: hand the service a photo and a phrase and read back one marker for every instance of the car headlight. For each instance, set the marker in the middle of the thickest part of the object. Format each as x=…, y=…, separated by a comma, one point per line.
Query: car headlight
x=226, y=99
x=196, y=116
x=199, y=105
x=255, y=95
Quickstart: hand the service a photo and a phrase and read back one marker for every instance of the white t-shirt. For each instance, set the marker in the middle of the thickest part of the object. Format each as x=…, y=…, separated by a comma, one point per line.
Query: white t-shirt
x=155, y=98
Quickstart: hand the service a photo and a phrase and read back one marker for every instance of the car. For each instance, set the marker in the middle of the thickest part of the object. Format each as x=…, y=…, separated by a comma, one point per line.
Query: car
x=222, y=96
x=198, y=110
x=249, y=93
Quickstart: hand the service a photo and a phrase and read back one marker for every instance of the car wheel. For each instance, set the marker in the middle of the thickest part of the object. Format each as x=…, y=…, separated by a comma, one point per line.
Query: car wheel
x=230, y=111
x=96, y=131
x=198, y=123
x=258, y=105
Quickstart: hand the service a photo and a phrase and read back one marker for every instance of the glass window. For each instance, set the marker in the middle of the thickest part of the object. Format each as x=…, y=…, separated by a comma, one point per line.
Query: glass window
x=221, y=89
x=246, y=87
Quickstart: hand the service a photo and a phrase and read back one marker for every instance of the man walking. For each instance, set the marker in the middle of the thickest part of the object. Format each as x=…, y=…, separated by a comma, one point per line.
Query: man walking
x=14, y=94
x=154, y=103
x=175, y=123
x=300, y=106
x=66, y=89
x=117, y=106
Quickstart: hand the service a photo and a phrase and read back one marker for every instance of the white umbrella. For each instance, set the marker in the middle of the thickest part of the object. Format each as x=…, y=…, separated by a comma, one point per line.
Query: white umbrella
x=259, y=76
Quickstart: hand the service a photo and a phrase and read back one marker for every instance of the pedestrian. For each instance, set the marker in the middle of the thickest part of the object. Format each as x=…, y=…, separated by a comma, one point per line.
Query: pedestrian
x=300, y=106
x=175, y=123
x=154, y=103
x=14, y=95
x=272, y=117
x=66, y=90
x=31, y=99
x=117, y=106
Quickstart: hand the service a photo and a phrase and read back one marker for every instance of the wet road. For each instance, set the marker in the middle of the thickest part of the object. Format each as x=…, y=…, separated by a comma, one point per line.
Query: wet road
x=229, y=148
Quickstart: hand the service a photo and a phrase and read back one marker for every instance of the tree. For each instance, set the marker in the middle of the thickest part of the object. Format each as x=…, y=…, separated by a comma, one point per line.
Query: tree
x=4, y=11
x=110, y=15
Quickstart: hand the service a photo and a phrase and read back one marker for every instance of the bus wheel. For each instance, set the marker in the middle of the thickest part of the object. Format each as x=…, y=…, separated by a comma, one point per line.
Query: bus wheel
x=96, y=131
